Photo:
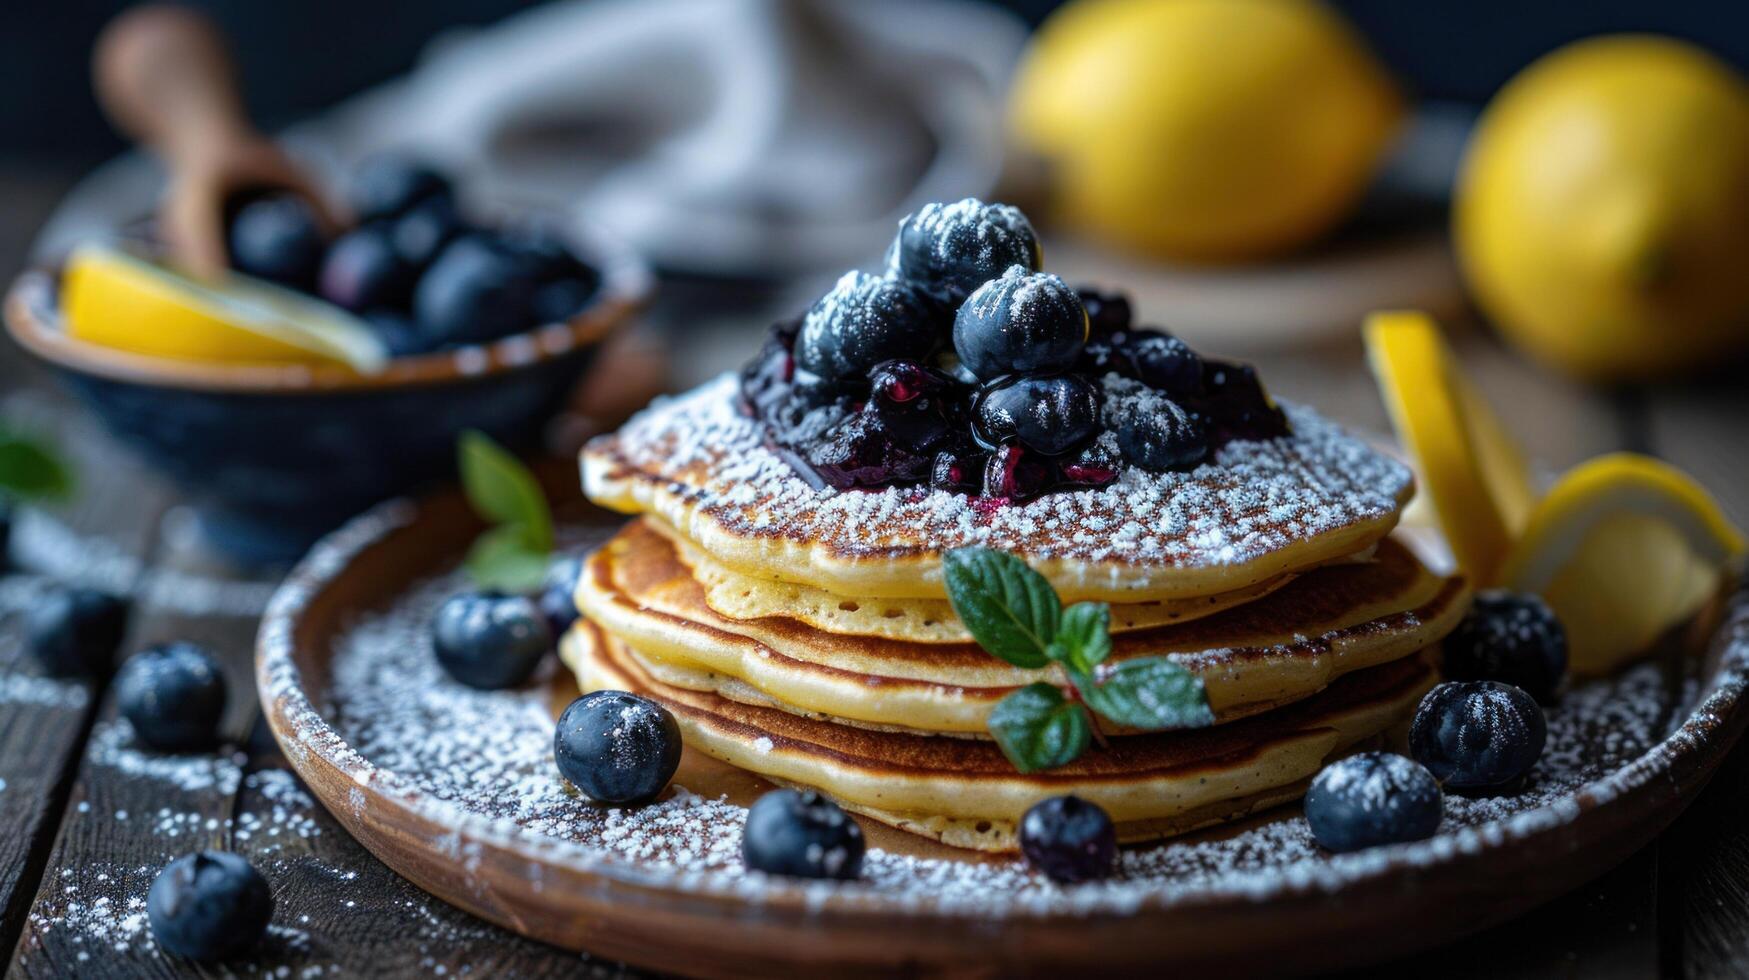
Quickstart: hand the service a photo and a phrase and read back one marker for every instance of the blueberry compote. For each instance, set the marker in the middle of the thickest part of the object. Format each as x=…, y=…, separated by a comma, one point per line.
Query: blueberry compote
x=967, y=368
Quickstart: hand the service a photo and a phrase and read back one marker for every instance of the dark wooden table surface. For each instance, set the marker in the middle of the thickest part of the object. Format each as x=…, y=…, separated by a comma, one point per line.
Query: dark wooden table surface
x=86, y=820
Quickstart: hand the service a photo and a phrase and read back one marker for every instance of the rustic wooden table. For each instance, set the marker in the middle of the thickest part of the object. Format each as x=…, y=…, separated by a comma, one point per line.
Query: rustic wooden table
x=89, y=820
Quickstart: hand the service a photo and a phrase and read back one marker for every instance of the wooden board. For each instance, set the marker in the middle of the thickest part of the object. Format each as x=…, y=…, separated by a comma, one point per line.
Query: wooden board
x=1426, y=895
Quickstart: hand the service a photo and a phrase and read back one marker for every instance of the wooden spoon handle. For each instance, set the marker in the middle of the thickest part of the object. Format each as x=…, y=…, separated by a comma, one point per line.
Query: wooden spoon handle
x=164, y=77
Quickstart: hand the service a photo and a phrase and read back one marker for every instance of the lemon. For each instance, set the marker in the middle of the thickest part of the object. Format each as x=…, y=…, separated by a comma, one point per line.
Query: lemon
x=117, y=300
x=1472, y=471
x=1622, y=548
x=1602, y=211
x=1204, y=130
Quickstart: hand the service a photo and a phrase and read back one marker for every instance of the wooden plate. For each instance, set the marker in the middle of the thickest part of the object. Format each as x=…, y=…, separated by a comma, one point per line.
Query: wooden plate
x=1257, y=897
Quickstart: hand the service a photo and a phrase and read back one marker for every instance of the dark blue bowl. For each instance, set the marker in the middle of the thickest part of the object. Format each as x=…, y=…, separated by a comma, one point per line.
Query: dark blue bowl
x=272, y=457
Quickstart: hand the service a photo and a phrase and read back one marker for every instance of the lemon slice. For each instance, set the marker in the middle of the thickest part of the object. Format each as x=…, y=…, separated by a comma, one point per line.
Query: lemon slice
x=1473, y=473
x=1623, y=548
x=111, y=298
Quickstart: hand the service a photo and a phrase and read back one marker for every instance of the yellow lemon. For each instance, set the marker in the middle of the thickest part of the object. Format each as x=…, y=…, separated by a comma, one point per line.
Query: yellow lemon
x=111, y=298
x=1204, y=130
x=1602, y=212
x=1471, y=470
x=1623, y=548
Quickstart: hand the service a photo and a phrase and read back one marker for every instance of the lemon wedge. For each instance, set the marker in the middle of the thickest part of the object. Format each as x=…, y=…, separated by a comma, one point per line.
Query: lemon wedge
x=118, y=300
x=1622, y=548
x=1472, y=471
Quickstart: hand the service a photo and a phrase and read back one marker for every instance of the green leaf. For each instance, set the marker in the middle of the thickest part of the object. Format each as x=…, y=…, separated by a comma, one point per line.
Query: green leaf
x=1011, y=610
x=1150, y=693
x=1084, y=637
x=1038, y=728
x=31, y=471
x=501, y=560
x=503, y=491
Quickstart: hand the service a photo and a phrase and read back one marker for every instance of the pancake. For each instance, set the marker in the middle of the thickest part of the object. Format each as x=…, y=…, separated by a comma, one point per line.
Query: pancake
x=1255, y=511
x=741, y=597
x=1284, y=647
x=966, y=793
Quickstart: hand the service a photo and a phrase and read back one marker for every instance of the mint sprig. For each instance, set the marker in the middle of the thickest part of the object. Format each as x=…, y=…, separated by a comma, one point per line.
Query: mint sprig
x=30, y=470
x=1012, y=612
x=512, y=555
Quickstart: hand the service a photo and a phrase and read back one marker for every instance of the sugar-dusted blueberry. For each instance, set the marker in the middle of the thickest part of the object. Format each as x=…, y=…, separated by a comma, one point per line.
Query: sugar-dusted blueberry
x=864, y=320
x=1162, y=361
x=958, y=470
x=389, y=185
x=474, y=293
x=1094, y=464
x=558, y=595
x=917, y=405
x=1153, y=431
x=1049, y=414
x=1236, y=406
x=1069, y=839
x=617, y=747
x=1107, y=313
x=1509, y=637
x=400, y=336
x=174, y=696
x=802, y=834
x=1371, y=799
x=952, y=249
x=490, y=641
x=74, y=631
x=1015, y=474
x=1023, y=322
x=364, y=271
x=278, y=238
x=209, y=906
x=421, y=233
x=1478, y=737
x=860, y=453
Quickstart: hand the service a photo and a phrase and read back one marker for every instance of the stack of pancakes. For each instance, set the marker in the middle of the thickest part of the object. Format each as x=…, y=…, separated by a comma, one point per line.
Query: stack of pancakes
x=804, y=634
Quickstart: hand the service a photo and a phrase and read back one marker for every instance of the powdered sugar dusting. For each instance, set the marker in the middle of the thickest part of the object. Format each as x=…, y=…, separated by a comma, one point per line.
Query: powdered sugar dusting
x=481, y=762
x=1253, y=498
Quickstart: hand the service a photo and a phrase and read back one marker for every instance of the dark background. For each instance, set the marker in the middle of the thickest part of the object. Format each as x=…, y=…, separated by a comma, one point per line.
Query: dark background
x=298, y=56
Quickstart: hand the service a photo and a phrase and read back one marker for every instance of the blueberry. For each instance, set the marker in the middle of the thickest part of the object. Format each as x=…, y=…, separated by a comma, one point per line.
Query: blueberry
x=556, y=302
x=174, y=696
x=1107, y=313
x=388, y=185
x=1153, y=431
x=617, y=747
x=364, y=271
x=1015, y=475
x=860, y=453
x=398, y=333
x=1049, y=415
x=543, y=253
x=1236, y=405
x=1094, y=464
x=1021, y=323
x=74, y=632
x=1511, y=638
x=1371, y=799
x=421, y=233
x=474, y=293
x=557, y=598
x=490, y=641
x=1478, y=737
x=209, y=906
x=958, y=471
x=802, y=834
x=918, y=406
x=277, y=237
x=952, y=249
x=863, y=321
x=1162, y=361
x=1069, y=839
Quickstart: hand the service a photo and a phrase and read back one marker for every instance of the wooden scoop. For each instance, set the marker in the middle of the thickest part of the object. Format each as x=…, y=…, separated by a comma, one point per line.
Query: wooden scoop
x=164, y=77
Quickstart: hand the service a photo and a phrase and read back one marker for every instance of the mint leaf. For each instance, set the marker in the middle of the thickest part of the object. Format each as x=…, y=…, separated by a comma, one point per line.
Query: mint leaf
x=501, y=560
x=1038, y=728
x=1150, y=693
x=29, y=470
x=503, y=491
x=1011, y=610
x=1084, y=637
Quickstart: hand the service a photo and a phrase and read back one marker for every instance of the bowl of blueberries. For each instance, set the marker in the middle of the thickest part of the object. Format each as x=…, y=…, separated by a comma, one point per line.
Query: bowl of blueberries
x=487, y=326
